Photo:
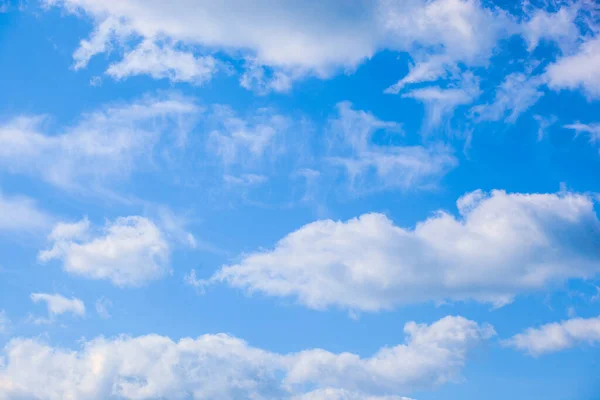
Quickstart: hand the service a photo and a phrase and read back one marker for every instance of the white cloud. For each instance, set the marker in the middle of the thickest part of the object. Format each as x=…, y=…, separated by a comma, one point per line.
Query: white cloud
x=545, y=122
x=593, y=130
x=578, y=71
x=102, y=306
x=245, y=180
x=441, y=34
x=273, y=34
x=440, y=103
x=21, y=214
x=58, y=304
x=128, y=251
x=247, y=141
x=558, y=336
x=279, y=46
x=105, y=143
x=370, y=164
x=559, y=26
x=224, y=367
x=500, y=245
x=515, y=95
x=164, y=62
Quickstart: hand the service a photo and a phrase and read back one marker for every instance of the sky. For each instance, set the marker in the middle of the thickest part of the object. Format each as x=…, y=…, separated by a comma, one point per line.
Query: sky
x=365, y=200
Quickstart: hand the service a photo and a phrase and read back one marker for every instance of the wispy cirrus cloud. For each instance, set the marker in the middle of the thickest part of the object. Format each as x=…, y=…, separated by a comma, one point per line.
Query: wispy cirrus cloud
x=103, y=145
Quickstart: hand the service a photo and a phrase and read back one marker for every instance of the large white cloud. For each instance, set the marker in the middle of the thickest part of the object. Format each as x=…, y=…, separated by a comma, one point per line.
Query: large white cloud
x=557, y=336
x=102, y=144
x=499, y=246
x=293, y=40
x=128, y=251
x=224, y=367
x=58, y=304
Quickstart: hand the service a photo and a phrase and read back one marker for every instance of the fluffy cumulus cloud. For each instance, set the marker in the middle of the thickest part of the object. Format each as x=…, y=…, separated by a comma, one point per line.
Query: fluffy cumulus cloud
x=58, y=304
x=268, y=34
x=558, y=336
x=128, y=251
x=224, y=367
x=500, y=245
x=22, y=214
x=103, y=144
x=370, y=164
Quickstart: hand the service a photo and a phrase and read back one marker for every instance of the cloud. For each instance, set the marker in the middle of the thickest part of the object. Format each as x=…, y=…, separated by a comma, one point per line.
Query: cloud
x=440, y=103
x=559, y=26
x=441, y=34
x=102, y=306
x=244, y=142
x=58, y=304
x=21, y=214
x=271, y=34
x=278, y=46
x=545, y=122
x=578, y=71
x=593, y=130
x=108, y=143
x=516, y=94
x=557, y=336
x=222, y=366
x=373, y=165
x=245, y=180
x=500, y=245
x=128, y=251
x=164, y=62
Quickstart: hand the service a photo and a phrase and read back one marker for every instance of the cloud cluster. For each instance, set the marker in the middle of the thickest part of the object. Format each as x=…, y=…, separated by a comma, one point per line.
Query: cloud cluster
x=277, y=43
x=128, y=251
x=557, y=336
x=224, y=367
x=500, y=245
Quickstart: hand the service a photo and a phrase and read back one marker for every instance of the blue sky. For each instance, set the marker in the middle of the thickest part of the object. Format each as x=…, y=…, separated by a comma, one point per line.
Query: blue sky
x=317, y=200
